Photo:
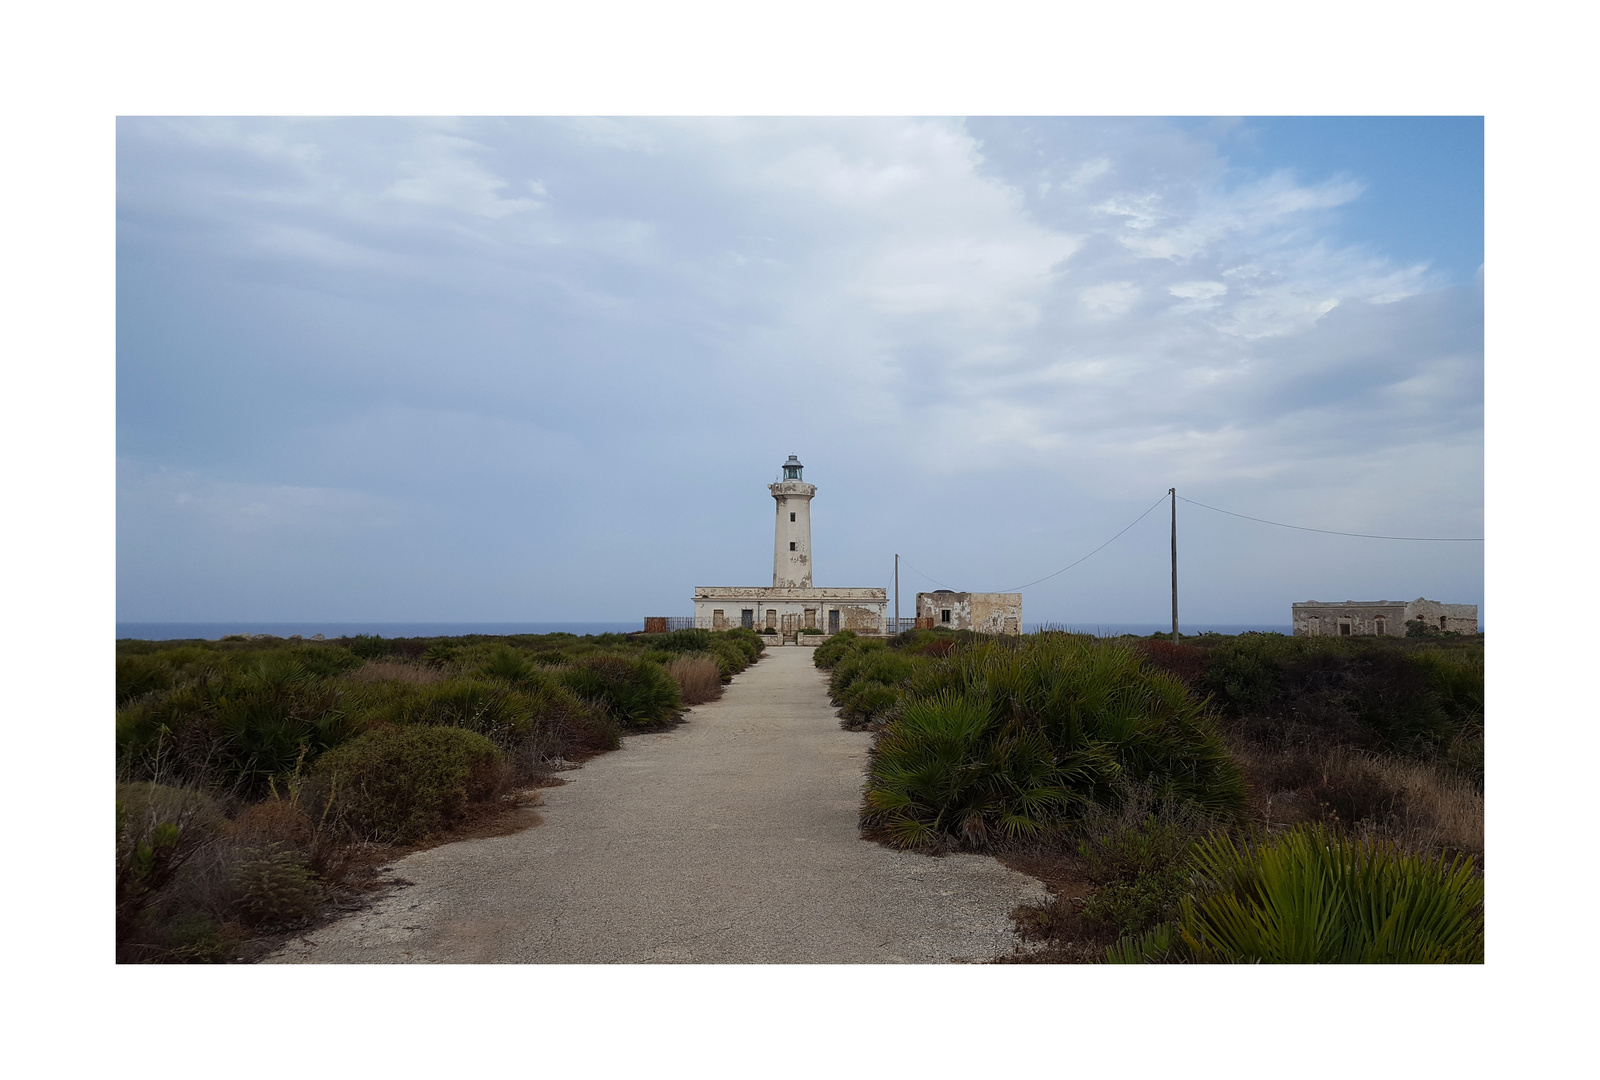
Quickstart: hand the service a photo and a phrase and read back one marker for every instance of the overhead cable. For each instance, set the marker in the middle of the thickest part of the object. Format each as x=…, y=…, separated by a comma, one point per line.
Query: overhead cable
x=1069, y=566
x=1336, y=532
x=908, y=566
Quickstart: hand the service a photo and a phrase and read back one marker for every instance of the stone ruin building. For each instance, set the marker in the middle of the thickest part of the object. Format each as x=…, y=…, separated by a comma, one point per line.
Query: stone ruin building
x=793, y=603
x=1383, y=618
x=985, y=612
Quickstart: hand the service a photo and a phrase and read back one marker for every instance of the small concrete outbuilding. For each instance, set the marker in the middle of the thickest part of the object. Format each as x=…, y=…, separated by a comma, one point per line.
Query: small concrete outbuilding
x=1383, y=618
x=984, y=612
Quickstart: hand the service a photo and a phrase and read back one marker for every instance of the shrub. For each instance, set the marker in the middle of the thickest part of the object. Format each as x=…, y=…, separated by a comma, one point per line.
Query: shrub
x=506, y=663
x=367, y=646
x=830, y=652
x=699, y=678
x=1003, y=740
x=1380, y=694
x=868, y=700
x=886, y=667
x=274, y=885
x=159, y=829
x=1141, y=871
x=1185, y=661
x=399, y=783
x=685, y=641
x=635, y=691
x=1314, y=897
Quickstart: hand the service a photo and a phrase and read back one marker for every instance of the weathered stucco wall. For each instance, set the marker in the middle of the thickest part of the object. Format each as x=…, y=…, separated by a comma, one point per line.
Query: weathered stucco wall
x=1364, y=618
x=791, y=544
x=861, y=610
x=986, y=613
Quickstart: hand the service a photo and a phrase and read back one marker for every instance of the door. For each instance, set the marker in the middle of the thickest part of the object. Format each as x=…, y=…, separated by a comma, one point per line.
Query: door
x=833, y=620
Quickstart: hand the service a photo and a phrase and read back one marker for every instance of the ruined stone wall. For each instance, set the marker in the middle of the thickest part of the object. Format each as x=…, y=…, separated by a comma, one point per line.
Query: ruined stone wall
x=1462, y=618
x=958, y=604
x=1353, y=618
x=986, y=613
x=789, y=609
x=1364, y=618
x=997, y=613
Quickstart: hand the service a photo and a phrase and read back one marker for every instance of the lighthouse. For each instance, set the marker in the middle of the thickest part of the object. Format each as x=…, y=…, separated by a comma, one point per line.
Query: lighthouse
x=793, y=609
x=791, y=546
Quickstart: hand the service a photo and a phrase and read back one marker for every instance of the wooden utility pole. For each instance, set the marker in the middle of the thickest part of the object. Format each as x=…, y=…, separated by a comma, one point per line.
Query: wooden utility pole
x=1174, y=493
x=897, y=594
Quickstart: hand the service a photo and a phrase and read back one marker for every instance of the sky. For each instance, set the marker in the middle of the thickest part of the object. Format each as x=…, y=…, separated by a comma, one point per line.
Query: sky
x=542, y=369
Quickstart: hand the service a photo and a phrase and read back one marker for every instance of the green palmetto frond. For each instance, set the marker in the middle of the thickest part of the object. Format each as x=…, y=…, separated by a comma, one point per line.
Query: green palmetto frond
x=1313, y=897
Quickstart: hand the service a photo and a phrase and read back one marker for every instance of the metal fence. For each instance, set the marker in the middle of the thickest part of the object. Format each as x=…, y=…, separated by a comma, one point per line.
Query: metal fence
x=663, y=624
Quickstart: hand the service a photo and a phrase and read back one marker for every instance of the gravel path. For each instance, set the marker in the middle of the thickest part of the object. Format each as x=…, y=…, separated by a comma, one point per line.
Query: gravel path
x=729, y=839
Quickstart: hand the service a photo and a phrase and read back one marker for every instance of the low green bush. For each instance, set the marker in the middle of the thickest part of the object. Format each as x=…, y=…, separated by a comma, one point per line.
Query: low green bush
x=635, y=691
x=872, y=662
x=1003, y=740
x=1140, y=872
x=396, y=784
x=1312, y=896
x=1414, y=697
x=274, y=885
x=833, y=650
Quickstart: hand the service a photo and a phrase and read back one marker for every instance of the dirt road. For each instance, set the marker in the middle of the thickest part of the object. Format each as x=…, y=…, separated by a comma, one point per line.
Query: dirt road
x=730, y=839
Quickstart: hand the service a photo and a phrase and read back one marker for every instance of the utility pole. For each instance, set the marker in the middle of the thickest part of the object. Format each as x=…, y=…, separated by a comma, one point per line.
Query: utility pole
x=897, y=594
x=1174, y=493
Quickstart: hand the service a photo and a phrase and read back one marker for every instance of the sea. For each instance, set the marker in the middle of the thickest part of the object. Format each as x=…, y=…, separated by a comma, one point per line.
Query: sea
x=211, y=631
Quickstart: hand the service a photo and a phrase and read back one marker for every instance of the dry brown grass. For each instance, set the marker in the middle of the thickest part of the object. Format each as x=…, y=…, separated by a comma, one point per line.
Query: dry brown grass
x=698, y=677
x=394, y=671
x=1423, y=807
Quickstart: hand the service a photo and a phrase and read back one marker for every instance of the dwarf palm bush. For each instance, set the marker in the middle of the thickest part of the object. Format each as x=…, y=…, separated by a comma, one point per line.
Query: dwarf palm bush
x=946, y=768
x=833, y=650
x=1066, y=723
x=634, y=690
x=1314, y=897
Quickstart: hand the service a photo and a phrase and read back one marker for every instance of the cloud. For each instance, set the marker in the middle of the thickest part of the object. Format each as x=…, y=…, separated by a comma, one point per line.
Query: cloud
x=349, y=325
x=445, y=174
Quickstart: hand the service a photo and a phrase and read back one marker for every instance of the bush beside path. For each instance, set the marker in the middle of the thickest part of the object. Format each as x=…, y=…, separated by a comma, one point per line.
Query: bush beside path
x=731, y=839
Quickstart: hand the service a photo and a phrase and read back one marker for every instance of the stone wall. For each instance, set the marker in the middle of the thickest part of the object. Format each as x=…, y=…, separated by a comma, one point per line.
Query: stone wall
x=790, y=609
x=986, y=613
x=1388, y=618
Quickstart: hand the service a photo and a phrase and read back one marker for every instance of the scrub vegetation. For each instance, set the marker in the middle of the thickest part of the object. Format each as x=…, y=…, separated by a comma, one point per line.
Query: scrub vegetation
x=1258, y=798
x=261, y=781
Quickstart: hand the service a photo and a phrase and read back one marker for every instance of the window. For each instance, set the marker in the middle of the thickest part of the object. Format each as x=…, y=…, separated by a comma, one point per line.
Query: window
x=772, y=618
x=1441, y=622
x=1316, y=627
x=791, y=545
x=811, y=618
x=944, y=614
x=791, y=516
x=1344, y=628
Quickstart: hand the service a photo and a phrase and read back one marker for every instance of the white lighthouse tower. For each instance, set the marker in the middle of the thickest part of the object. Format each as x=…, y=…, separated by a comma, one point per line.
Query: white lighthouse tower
x=791, y=546
x=793, y=609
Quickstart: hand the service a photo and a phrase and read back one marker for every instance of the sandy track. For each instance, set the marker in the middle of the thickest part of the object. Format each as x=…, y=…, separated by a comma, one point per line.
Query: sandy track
x=730, y=839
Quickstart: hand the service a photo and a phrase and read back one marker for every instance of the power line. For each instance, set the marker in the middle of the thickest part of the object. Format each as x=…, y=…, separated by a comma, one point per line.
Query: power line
x=1069, y=566
x=936, y=581
x=1335, y=532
